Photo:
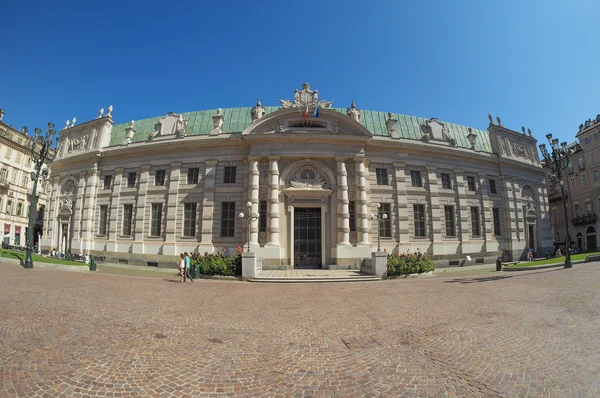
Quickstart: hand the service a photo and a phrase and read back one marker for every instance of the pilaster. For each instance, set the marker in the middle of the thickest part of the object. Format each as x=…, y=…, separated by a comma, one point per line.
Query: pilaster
x=79, y=214
x=208, y=206
x=462, y=210
x=170, y=247
x=254, y=199
x=89, y=209
x=113, y=222
x=434, y=205
x=361, y=204
x=403, y=211
x=487, y=223
x=140, y=210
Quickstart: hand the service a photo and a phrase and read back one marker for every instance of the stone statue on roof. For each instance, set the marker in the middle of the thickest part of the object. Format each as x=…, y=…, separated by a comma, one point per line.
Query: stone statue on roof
x=353, y=112
x=306, y=98
x=257, y=111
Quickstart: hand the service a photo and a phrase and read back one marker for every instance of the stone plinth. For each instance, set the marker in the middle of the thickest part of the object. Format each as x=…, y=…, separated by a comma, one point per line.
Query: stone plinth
x=249, y=266
x=379, y=264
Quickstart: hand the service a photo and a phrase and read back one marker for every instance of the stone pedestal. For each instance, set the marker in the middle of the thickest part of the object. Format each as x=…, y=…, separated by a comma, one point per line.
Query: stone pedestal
x=379, y=264
x=249, y=266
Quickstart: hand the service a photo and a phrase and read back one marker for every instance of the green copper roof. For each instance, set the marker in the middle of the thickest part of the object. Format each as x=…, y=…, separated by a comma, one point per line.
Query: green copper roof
x=237, y=119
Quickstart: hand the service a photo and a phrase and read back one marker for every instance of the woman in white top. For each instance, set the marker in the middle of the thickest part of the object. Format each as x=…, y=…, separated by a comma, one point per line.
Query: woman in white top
x=181, y=267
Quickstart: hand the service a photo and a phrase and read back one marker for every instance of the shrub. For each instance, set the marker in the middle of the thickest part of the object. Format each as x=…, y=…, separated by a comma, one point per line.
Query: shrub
x=409, y=263
x=218, y=263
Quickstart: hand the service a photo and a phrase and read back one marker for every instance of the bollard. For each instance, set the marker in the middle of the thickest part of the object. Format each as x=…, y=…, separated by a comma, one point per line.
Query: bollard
x=499, y=264
x=196, y=272
x=92, y=263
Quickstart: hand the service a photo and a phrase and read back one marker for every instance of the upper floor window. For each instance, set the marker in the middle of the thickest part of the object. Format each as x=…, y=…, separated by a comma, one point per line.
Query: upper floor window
x=192, y=175
x=8, y=153
x=159, y=178
x=588, y=140
x=572, y=180
x=471, y=183
x=584, y=179
x=493, y=186
x=230, y=174
x=107, y=181
x=581, y=163
x=596, y=136
x=595, y=173
x=415, y=177
x=446, y=182
x=592, y=158
x=131, y=180
x=382, y=176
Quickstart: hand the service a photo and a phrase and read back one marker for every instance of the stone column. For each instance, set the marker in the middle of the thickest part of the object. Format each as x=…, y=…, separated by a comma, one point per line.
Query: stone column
x=89, y=210
x=50, y=220
x=273, y=201
x=342, y=208
x=208, y=206
x=403, y=210
x=253, y=177
x=486, y=206
x=113, y=222
x=361, y=203
x=140, y=211
x=172, y=202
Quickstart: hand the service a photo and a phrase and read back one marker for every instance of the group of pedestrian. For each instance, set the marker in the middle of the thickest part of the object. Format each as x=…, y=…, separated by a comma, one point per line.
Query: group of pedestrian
x=184, y=267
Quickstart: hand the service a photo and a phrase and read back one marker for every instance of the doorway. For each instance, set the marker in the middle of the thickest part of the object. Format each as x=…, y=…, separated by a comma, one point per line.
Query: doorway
x=591, y=239
x=532, y=237
x=307, y=238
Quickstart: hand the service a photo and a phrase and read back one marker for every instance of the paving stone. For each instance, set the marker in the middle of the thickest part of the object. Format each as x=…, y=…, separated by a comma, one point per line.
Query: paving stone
x=93, y=335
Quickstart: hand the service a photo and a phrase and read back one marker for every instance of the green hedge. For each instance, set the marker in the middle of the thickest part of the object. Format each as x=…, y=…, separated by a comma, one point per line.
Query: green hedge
x=409, y=263
x=218, y=263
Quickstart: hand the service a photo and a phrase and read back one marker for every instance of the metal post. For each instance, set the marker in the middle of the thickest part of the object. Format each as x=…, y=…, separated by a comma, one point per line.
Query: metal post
x=568, y=262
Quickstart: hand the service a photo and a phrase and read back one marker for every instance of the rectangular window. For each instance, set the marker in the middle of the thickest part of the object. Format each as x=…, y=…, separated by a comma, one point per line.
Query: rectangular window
x=8, y=152
x=572, y=180
x=385, y=227
x=19, y=211
x=229, y=177
x=127, y=217
x=192, y=175
x=493, y=186
x=588, y=206
x=189, y=219
x=587, y=140
x=13, y=176
x=107, y=181
x=584, y=180
x=131, y=180
x=496, y=214
x=592, y=158
x=103, y=220
x=475, y=221
x=577, y=209
x=156, y=220
x=595, y=172
x=446, y=182
x=25, y=180
x=471, y=183
x=449, y=217
x=19, y=157
x=415, y=177
x=159, y=178
x=419, y=216
x=596, y=136
x=227, y=219
x=9, y=207
x=352, y=211
x=262, y=216
x=382, y=176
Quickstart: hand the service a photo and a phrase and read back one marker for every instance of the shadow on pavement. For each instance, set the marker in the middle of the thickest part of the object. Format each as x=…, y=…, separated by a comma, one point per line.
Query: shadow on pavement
x=172, y=281
x=500, y=277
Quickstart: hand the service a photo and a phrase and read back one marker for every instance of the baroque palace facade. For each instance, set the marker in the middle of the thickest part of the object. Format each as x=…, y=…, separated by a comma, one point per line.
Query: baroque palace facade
x=144, y=191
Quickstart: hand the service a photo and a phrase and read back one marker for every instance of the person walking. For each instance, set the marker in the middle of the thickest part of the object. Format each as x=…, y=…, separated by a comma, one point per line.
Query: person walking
x=186, y=258
x=530, y=255
x=181, y=268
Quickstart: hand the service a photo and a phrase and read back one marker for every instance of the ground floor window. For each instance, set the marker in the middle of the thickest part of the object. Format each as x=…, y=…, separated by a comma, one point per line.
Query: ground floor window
x=476, y=231
x=127, y=216
x=419, y=217
x=262, y=218
x=189, y=219
x=385, y=227
x=103, y=219
x=449, y=217
x=496, y=214
x=156, y=220
x=352, y=211
x=227, y=219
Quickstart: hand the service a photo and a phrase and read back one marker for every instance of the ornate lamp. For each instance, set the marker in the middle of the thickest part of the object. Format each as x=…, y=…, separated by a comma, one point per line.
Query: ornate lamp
x=381, y=217
x=40, y=154
x=250, y=219
x=556, y=162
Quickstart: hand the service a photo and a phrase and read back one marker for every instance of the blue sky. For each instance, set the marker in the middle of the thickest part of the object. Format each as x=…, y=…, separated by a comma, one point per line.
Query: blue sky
x=533, y=63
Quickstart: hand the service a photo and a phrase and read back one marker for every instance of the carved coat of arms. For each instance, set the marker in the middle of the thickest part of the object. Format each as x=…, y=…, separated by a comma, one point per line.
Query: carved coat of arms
x=306, y=98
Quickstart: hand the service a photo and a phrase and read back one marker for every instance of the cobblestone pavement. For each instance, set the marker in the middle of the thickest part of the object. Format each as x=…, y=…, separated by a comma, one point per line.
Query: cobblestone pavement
x=71, y=334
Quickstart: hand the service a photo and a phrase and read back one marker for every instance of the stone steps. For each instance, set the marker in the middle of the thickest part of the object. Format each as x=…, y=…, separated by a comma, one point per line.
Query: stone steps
x=361, y=278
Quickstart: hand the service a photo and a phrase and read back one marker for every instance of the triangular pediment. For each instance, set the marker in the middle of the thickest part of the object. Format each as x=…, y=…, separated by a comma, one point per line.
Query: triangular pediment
x=292, y=122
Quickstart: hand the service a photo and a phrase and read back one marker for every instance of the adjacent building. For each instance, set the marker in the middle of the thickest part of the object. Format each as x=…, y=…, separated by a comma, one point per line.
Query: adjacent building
x=16, y=185
x=313, y=175
x=581, y=182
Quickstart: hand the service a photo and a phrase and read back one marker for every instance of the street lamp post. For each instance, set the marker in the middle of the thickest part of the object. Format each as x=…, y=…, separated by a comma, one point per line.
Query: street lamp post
x=381, y=217
x=250, y=219
x=556, y=162
x=40, y=155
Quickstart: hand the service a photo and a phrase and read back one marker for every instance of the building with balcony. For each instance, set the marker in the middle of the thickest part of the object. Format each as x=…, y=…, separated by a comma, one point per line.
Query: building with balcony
x=582, y=191
x=143, y=191
x=15, y=186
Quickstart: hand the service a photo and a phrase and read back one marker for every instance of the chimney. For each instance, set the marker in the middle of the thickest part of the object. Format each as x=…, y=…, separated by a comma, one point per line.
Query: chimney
x=1, y=114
